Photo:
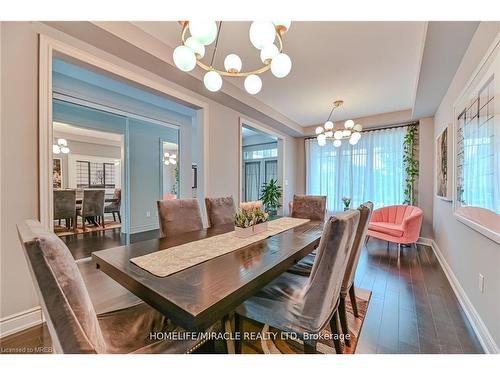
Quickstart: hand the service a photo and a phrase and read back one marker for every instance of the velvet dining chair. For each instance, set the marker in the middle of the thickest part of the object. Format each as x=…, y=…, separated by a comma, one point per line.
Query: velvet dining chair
x=306, y=305
x=220, y=211
x=73, y=324
x=178, y=216
x=304, y=266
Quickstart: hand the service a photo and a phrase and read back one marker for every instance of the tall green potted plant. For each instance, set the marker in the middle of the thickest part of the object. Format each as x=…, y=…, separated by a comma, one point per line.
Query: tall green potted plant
x=270, y=196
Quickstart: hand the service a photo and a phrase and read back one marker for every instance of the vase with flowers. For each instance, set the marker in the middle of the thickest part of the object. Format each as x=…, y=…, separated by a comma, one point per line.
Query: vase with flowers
x=347, y=202
x=250, y=219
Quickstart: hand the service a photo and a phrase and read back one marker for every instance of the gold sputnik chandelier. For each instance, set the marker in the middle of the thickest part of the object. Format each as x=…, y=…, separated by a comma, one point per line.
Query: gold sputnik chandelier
x=267, y=37
x=351, y=131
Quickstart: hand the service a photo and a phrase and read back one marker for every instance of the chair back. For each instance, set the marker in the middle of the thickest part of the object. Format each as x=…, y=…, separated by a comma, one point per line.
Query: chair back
x=65, y=301
x=117, y=199
x=312, y=207
x=179, y=216
x=321, y=295
x=64, y=204
x=220, y=211
x=365, y=213
x=395, y=214
x=93, y=202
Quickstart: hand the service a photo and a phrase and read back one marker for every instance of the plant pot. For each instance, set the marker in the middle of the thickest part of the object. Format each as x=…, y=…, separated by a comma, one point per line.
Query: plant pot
x=250, y=231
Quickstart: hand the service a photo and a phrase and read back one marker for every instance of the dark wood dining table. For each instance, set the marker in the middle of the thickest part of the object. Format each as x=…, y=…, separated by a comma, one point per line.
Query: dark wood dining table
x=197, y=297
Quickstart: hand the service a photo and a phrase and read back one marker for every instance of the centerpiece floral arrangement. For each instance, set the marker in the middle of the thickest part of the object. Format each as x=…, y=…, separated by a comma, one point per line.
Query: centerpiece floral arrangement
x=250, y=219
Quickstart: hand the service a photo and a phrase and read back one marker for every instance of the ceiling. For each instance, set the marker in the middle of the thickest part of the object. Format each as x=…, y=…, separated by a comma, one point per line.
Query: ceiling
x=76, y=133
x=372, y=66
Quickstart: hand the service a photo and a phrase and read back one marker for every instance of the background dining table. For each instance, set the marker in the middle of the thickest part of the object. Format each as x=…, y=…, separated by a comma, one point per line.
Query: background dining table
x=198, y=296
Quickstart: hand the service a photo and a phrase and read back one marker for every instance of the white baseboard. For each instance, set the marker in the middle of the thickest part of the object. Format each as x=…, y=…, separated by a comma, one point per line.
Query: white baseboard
x=487, y=342
x=143, y=228
x=20, y=321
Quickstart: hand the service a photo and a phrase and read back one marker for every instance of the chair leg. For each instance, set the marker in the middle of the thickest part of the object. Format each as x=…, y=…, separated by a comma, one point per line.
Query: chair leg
x=343, y=321
x=335, y=330
x=310, y=347
x=354, y=304
x=75, y=222
x=59, y=222
x=226, y=324
x=367, y=238
x=119, y=216
x=238, y=328
x=83, y=221
x=114, y=218
x=102, y=220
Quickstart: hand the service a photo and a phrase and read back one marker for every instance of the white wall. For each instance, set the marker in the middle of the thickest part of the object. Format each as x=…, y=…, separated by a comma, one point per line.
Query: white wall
x=20, y=193
x=466, y=251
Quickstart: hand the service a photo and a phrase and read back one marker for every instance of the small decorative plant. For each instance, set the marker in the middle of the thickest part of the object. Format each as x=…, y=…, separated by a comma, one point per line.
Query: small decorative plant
x=270, y=196
x=250, y=214
x=347, y=202
x=410, y=164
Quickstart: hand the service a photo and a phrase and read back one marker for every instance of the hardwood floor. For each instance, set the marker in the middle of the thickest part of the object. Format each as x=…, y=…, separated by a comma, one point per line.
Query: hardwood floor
x=83, y=244
x=412, y=309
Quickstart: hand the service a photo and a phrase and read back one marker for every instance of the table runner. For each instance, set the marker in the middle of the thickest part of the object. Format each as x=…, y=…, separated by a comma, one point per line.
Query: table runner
x=174, y=259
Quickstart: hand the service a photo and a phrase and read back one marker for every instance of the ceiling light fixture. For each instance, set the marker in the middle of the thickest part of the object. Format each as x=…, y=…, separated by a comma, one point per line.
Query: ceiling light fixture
x=351, y=131
x=169, y=158
x=61, y=146
x=263, y=36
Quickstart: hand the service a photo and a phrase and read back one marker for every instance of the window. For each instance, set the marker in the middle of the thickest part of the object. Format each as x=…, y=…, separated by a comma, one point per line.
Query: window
x=260, y=154
x=371, y=170
x=95, y=175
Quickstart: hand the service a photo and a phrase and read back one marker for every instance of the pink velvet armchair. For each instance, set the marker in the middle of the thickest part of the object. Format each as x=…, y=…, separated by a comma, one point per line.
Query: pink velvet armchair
x=399, y=224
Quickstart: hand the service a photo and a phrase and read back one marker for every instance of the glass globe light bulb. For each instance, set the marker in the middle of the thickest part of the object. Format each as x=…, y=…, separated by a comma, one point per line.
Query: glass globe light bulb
x=232, y=63
x=337, y=143
x=184, y=58
x=357, y=127
x=65, y=150
x=353, y=141
x=62, y=142
x=262, y=33
x=204, y=32
x=268, y=53
x=166, y=155
x=346, y=133
x=212, y=81
x=195, y=46
x=321, y=139
x=356, y=136
x=253, y=84
x=174, y=156
x=167, y=162
x=337, y=134
x=56, y=149
x=281, y=65
x=328, y=125
x=319, y=130
x=173, y=161
x=349, y=124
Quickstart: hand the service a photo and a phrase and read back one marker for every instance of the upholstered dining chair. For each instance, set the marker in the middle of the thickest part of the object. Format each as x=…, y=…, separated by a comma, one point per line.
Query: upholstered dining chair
x=220, y=211
x=114, y=207
x=92, y=206
x=312, y=207
x=298, y=304
x=304, y=266
x=73, y=324
x=179, y=216
x=65, y=206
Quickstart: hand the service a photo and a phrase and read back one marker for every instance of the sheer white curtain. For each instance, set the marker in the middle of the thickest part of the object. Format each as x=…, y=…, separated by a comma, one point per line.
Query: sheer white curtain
x=371, y=170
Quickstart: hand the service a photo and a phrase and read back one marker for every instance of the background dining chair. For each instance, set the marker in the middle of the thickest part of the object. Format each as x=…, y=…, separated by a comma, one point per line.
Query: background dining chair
x=304, y=266
x=312, y=207
x=73, y=324
x=92, y=206
x=179, y=216
x=65, y=206
x=220, y=211
x=294, y=303
x=399, y=224
x=114, y=207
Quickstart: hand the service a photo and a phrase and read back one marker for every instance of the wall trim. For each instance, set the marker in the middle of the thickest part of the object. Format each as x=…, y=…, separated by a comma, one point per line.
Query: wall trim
x=487, y=342
x=20, y=321
x=143, y=228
